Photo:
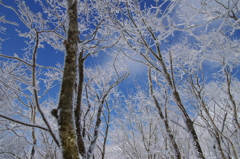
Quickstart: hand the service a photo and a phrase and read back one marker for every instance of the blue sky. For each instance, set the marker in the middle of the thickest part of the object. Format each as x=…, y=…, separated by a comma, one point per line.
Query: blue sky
x=47, y=56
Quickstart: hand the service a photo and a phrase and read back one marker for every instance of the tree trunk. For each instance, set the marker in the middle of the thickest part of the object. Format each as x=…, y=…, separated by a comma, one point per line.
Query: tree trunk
x=78, y=109
x=66, y=103
x=171, y=137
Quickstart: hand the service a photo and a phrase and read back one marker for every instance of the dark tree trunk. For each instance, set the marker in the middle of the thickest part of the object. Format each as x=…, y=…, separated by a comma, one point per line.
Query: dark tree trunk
x=66, y=104
x=78, y=110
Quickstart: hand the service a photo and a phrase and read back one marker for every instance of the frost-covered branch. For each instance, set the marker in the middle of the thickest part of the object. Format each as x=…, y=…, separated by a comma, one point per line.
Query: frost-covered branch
x=23, y=123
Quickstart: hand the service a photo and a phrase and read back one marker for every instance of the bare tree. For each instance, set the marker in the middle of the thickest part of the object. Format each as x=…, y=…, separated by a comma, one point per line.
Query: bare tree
x=144, y=35
x=70, y=38
x=164, y=116
x=178, y=41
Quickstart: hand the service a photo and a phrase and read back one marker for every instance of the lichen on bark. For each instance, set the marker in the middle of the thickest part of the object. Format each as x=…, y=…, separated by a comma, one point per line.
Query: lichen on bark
x=66, y=104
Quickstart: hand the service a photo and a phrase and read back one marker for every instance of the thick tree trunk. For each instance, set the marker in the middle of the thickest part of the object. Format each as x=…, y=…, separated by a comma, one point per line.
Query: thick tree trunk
x=66, y=103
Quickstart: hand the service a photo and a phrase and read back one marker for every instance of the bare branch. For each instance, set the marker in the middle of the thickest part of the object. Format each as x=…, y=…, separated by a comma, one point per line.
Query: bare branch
x=23, y=123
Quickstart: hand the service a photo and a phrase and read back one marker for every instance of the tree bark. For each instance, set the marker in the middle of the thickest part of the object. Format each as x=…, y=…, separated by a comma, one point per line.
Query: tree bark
x=78, y=109
x=66, y=103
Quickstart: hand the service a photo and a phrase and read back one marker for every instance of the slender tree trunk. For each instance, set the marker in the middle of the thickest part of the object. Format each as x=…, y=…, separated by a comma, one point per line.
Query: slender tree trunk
x=33, y=118
x=78, y=110
x=234, y=105
x=190, y=125
x=165, y=120
x=107, y=120
x=95, y=135
x=177, y=99
x=66, y=103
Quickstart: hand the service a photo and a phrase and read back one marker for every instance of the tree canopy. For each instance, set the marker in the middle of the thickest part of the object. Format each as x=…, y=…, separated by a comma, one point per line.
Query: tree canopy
x=120, y=79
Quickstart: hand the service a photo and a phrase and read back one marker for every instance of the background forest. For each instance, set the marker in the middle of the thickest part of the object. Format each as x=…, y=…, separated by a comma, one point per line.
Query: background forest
x=120, y=79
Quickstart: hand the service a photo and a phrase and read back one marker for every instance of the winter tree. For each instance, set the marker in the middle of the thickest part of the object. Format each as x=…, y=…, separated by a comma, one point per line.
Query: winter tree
x=76, y=29
x=147, y=29
x=61, y=85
